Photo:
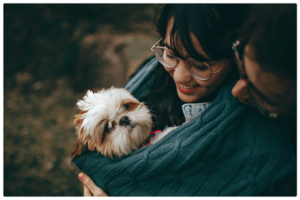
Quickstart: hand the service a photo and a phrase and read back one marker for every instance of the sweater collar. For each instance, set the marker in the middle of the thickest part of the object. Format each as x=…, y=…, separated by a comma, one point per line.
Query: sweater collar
x=193, y=110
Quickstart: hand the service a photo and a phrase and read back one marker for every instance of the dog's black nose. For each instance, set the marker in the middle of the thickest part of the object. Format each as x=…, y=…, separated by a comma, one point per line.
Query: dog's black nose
x=124, y=121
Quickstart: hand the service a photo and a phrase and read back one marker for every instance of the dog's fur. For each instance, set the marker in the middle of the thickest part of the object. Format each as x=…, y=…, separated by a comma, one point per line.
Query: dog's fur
x=111, y=122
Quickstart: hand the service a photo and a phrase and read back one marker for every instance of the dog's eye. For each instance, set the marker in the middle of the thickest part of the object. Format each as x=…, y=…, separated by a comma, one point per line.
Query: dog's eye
x=106, y=128
x=126, y=107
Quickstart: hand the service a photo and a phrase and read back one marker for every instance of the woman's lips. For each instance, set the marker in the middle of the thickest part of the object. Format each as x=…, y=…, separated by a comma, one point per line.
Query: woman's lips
x=186, y=89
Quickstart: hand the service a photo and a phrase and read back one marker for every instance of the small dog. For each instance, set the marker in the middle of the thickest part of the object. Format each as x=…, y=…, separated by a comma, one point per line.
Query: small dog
x=111, y=122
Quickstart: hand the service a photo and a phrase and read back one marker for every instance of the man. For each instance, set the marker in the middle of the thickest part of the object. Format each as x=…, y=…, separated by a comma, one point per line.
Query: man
x=266, y=58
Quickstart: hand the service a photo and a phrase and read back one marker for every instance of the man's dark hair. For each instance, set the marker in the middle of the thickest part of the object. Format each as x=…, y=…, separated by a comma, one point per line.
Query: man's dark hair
x=270, y=31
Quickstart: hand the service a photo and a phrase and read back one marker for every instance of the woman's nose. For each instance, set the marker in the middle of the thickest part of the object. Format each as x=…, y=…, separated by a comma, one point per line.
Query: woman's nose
x=180, y=72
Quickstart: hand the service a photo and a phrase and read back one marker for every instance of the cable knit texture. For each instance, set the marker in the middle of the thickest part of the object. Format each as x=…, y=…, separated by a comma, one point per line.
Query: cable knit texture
x=228, y=150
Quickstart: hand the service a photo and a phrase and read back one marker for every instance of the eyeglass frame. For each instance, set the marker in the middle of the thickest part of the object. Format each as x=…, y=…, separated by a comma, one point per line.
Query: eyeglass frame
x=186, y=60
x=241, y=68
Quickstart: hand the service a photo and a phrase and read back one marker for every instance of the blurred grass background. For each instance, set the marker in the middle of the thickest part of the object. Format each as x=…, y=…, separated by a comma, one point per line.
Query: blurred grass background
x=53, y=53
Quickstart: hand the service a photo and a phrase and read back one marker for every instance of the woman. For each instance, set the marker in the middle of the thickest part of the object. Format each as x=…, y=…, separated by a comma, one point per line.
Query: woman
x=218, y=151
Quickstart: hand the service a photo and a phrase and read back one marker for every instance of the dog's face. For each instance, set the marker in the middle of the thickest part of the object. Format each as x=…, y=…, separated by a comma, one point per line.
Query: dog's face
x=111, y=122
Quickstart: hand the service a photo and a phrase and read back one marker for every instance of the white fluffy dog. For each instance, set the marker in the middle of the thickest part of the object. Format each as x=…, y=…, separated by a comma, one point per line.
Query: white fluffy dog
x=111, y=122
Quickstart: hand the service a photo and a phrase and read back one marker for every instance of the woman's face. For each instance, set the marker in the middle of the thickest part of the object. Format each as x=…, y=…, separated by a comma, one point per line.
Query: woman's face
x=190, y=89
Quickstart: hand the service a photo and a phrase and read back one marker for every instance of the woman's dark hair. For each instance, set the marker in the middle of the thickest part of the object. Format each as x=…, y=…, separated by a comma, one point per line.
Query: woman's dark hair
x=215, y=27
x=270, y=30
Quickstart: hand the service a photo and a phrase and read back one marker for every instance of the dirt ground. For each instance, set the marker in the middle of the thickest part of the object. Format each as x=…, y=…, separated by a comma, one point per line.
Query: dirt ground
x=52, y=55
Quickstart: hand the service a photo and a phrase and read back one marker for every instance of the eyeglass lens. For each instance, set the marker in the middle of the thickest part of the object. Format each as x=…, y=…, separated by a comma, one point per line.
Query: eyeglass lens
x=168, y=59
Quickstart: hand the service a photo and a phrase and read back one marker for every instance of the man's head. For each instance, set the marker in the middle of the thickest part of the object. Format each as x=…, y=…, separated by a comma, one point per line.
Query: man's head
x=266, y=57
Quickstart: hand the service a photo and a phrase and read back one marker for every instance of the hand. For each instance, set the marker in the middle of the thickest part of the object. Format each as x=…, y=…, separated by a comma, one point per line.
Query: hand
x=89, y=187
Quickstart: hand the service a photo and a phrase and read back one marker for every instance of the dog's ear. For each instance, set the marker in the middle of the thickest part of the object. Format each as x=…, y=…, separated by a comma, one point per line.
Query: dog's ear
x=78, y=148
x=78, y=121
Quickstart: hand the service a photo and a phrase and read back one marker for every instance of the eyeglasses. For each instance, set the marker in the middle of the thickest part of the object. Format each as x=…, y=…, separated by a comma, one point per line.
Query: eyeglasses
x=200, y=70
x=259, y=100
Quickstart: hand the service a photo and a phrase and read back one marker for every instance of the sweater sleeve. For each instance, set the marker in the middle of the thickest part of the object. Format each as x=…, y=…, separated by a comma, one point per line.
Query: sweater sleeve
x=228, y=150
x=263, y=155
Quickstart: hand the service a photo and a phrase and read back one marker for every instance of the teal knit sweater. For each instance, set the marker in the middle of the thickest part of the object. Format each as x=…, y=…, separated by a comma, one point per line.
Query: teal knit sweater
x=228, y=150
